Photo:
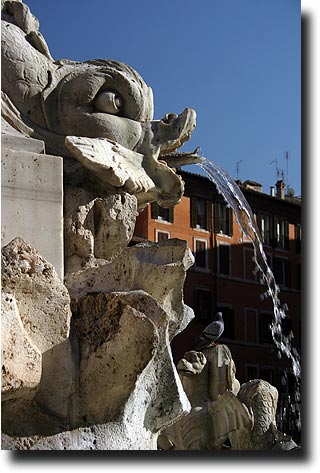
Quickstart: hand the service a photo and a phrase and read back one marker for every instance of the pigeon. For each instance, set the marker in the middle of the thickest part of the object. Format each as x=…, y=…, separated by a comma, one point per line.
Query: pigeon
x=210, y=334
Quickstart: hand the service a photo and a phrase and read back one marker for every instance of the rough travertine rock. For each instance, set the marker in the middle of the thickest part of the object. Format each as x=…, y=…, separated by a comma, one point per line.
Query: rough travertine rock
x=126, y=389
x=112, y=383
x=124, y=339
x=158, y=269
x=42, y=300
x=20, y=358
x=96, y=227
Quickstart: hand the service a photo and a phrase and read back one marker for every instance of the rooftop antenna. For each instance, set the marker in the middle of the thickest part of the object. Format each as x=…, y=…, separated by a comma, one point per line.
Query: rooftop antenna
x=277, y=169
x=237, y=163
x=287, y=162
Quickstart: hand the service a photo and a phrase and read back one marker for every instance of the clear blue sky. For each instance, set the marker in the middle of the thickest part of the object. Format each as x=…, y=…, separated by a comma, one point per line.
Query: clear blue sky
x=236, y=62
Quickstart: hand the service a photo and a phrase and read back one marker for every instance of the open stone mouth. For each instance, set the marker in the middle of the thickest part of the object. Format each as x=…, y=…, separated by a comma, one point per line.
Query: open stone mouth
x=181, y=158
x=184, y=124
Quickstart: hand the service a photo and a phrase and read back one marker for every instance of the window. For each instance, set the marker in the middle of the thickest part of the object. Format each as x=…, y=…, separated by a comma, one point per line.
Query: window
x=200, y=253
x=203, y=305
x=160, y=213
x=299, y=276
x=298, y=238
x=269, y=260
x=228, y=318
x=223, y=259
x=264, y=224
x=286, y=326
x=251, y=372
x=281, y=270
x=249, y=266
x=267, y=374
x=281, y=234
x=283, y=387
x=223, y=219
x=265, y=321
x=201, y=214
x=162, y=235
x=250, y=325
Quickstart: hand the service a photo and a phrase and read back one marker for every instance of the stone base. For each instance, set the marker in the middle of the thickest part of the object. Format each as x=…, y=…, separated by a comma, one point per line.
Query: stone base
x=32, y=206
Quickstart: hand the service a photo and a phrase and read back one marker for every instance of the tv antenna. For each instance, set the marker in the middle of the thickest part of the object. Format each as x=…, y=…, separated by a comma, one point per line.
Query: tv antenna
x=287, y=163
x=277, y=169
x=237, y=163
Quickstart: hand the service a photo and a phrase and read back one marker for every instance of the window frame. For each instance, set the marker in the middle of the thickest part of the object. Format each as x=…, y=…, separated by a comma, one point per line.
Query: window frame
x=281, y=239
x=222, y=243
x=260, y=315
x=261, y=217
x=194, y=201
x=202, y=240
x=250, y=365
x=221, y=307
x=271, y=369
x=245, y=329
x=156, y=209
x=209, y=292
x=165, y=232
x=286, y=274
x=298, y=237
x=218, y=219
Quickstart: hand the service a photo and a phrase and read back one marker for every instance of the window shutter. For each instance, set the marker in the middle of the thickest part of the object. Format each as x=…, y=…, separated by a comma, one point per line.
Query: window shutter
x=217, y=217
x=287, y=274
x=154, y=210
x=193, y=212
x=171, y=214
x=258, y=222
x=271, y=232
x=276, y=269
x=274, y=232
x=230, y=220
x=286, y=236
x=208, y=215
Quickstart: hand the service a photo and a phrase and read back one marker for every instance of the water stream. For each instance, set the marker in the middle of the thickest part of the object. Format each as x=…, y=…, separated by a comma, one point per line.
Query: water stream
x=234, y=197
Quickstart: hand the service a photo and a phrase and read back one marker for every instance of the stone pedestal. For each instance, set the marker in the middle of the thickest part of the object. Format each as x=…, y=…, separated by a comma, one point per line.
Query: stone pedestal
x=32, y=193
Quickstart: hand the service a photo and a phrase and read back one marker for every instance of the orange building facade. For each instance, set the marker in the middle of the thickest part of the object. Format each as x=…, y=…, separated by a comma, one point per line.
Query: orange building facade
x=224, y=276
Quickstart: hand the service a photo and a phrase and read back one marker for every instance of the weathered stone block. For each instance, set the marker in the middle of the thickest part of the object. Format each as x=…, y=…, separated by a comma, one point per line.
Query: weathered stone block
x=42, y=299
x=20, y=358
x=158, y=269
x=32, y=192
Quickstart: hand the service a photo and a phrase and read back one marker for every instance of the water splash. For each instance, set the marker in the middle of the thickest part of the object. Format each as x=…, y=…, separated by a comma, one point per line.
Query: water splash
x=234, y=197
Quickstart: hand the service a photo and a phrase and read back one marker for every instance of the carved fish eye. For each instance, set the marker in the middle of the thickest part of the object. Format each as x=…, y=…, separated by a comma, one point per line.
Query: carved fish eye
x=108, y=102
x=169, y=117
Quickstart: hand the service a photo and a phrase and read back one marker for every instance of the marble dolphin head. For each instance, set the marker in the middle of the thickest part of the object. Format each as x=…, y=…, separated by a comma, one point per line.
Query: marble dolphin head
x=97, y=112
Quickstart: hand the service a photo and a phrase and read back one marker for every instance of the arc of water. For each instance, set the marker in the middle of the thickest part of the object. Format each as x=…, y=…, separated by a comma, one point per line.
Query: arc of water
x=234, y=197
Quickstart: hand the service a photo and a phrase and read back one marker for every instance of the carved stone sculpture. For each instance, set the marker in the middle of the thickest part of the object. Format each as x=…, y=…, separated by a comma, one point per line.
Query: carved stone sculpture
x=209, y=381
x=261, y=398
x=98, y=113
x=87, y=364
x=223, y=414
x=90, y=366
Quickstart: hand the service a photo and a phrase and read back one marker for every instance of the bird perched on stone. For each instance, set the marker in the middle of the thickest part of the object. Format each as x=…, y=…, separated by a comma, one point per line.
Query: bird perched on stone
x=210, y=334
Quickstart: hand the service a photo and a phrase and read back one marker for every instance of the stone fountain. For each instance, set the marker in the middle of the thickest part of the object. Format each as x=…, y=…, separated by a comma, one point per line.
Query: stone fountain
x=86, y=319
